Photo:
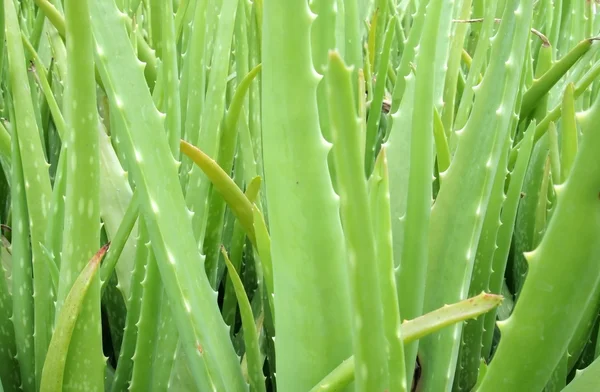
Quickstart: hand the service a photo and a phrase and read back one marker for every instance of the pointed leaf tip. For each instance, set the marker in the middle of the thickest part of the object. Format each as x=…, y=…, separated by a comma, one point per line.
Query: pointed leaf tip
x=54, y=367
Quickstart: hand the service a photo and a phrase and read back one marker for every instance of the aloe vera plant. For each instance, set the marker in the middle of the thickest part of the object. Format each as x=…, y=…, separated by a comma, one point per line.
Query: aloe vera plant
x=299, y=195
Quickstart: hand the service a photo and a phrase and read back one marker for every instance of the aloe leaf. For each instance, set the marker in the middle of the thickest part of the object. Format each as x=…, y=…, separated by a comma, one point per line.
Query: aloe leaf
x=554, y=29
x=237, y=101
x=266, y=324
x=68, y=316
x=338, y=379
x=171, y=75
x=380, y=208
x=408, y=55
x=470, y=350
x=303, y=211
x=40, y=74
x=232, y=194
x=181, y=376
x=155, y=26
x=569, y=133
x=166, y=345
x=229, y=138
x=146, y=53
x=371, y=46
x=9, y=371
x=237, y=242
x=5, y=144
x=416, y=329
x=482, y=371
x=263, y=244
x=542, y=66
x=2, y=35
x=194, y=302
x=148, y=323
x=365, y=77
x=122, y=374
x=323, y=39
x=448, y=315
x=458, y=212
x=210, y=130
x=256, y=377
x=544, y=83
x=577, y=23
x=254, y=102
x=353, y=27
x=441, y=143
x=53, y=15
x=195, y=84
x=556, y=113
x=558, y=380
x=399, y=152
x=37, y=188
x=82, y=201
x=463, y=9
x=119, y=240
x=182, y=16
x=247, y=151
x=115, y=193
x=576, y=213
x=55, y=227
x=586, y=379
x=583, y=332
x=505, y=233
x=414, y=253
x=473, y=77
x=374, y=118
x=22, y=281
x=368, y=343
x=524, y=232
x=589, y=18
x=229, y=309
x=541, y=210
x=554, y=154
x=443, y=40
x=51, y=267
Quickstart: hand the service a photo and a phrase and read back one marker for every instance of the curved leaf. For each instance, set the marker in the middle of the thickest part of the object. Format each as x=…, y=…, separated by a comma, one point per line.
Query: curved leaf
x=54, y=366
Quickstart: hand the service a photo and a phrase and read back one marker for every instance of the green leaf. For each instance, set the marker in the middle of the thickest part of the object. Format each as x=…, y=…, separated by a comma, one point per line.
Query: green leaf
x=542, y=85
x=257, y=380
x=585, y=380
x=36, y=180
x=263, y=244
x=505, y=233
x=4, y=144
x=461, y=204
x=415, y=329
x=307, y=243
x=119, y=240
x=54, y=367
x=367, y=326
x=85, y=361
x=548, y=297
x=155, y=173
x=9, y=371
x=232, y=194
x=569, y=132
x=382, y=225
x=216, y=210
